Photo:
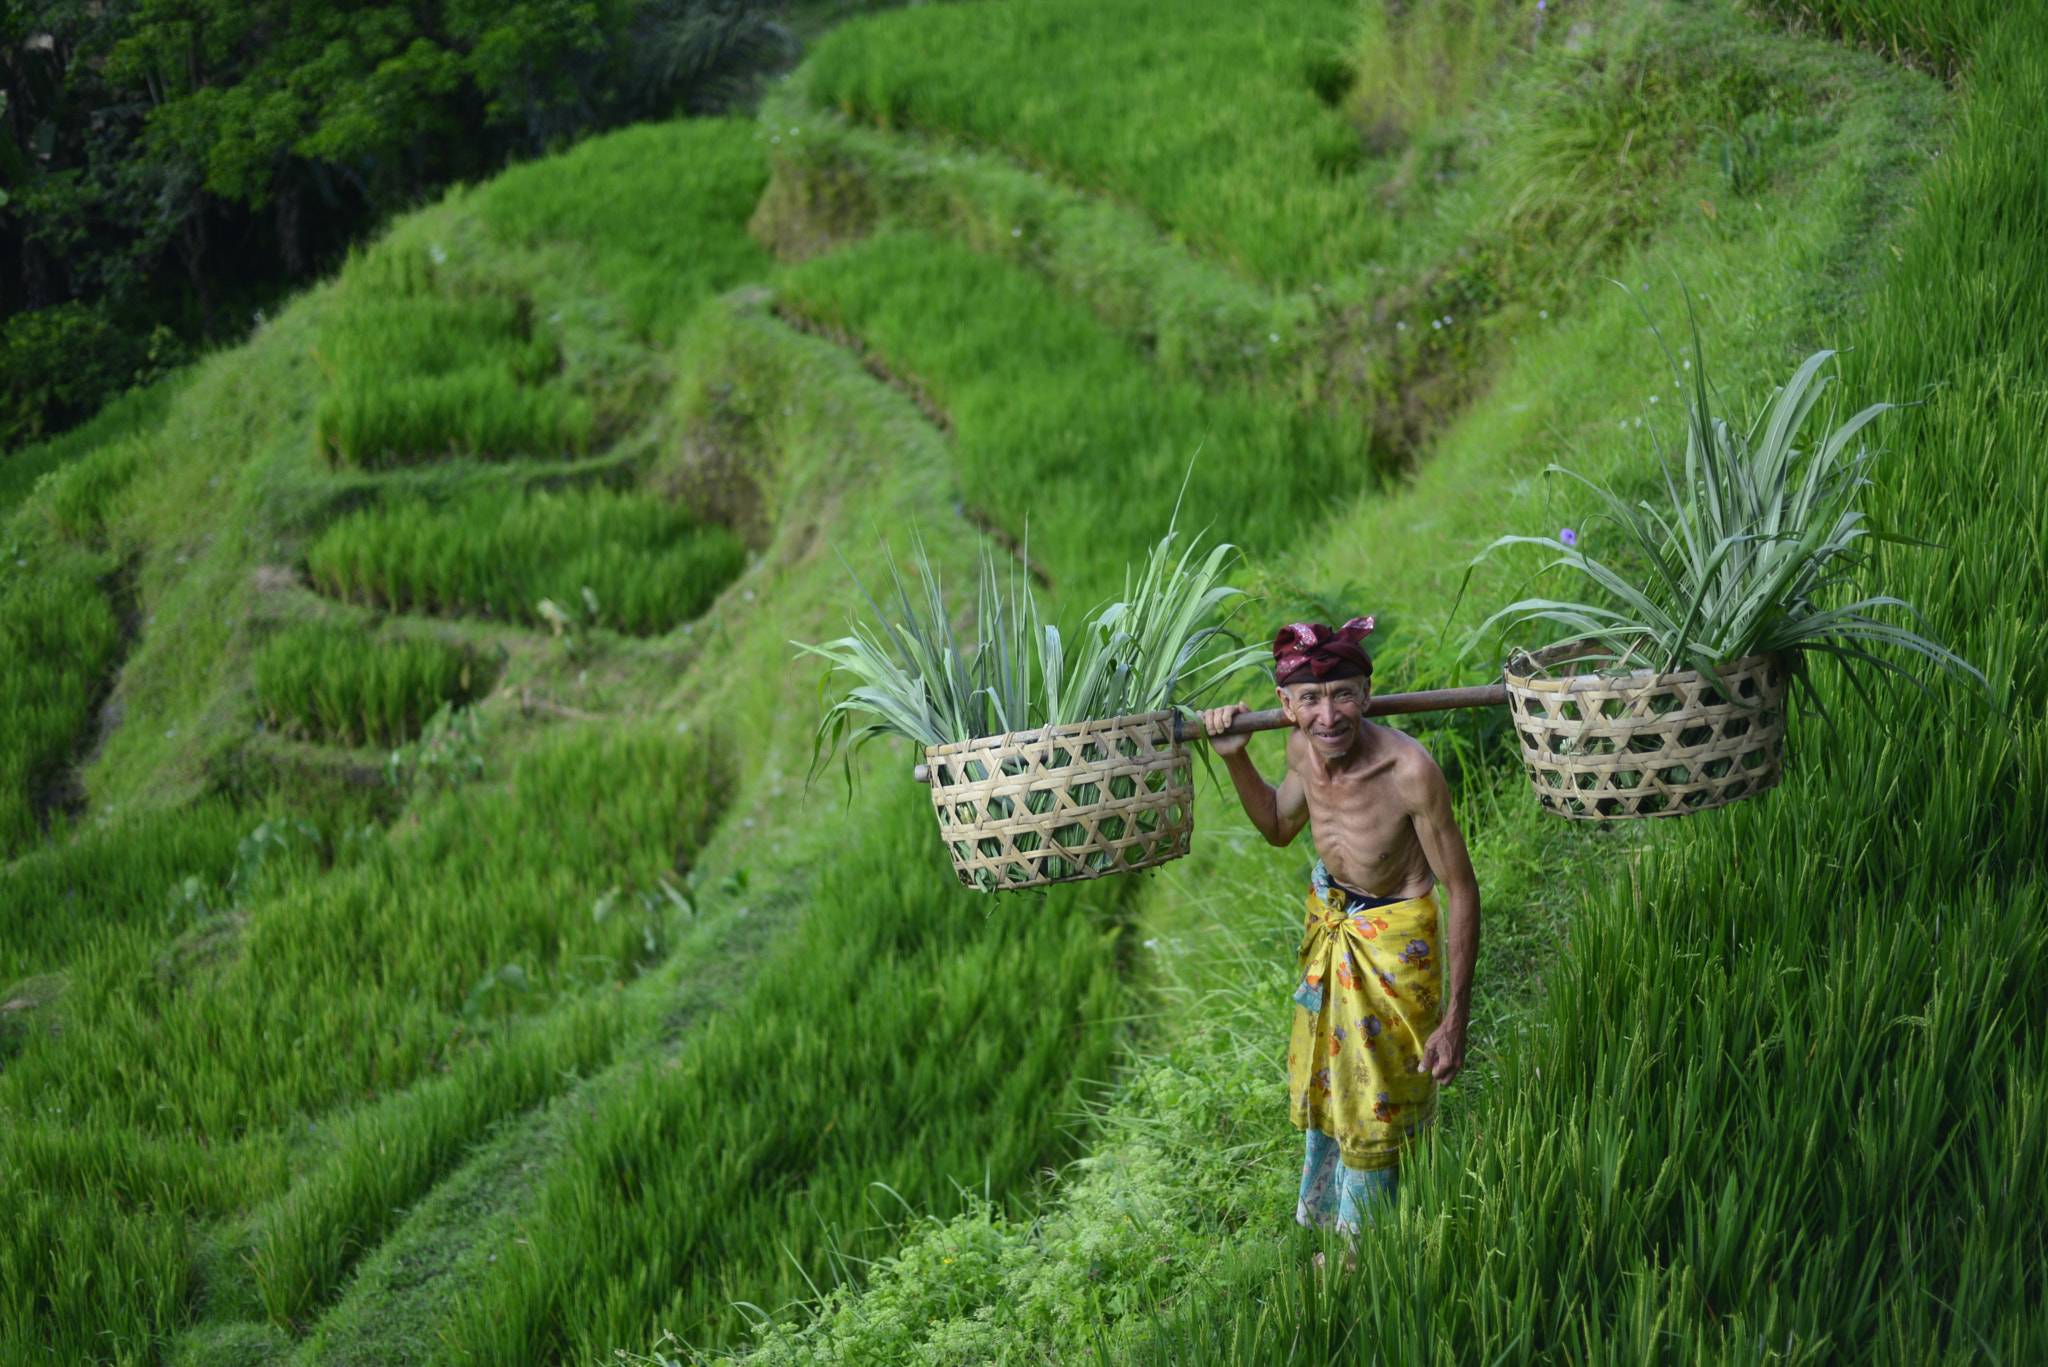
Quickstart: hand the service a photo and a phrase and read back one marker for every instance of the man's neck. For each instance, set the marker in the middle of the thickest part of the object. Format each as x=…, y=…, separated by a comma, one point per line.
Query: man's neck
x=1357, y=753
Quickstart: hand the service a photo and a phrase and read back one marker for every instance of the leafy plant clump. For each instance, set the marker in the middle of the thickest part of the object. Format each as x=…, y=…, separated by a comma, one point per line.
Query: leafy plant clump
x=1163, y=642
x=1757, y=546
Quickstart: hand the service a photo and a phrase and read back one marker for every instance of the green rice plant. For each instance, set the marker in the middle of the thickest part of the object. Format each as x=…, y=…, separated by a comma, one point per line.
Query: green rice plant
x=1715, y=1142
x=648, y=566
x=418, y=372
x=326, y=1013
x=1752, y=554
x=1157, y=646
x=135, y=413
x=1936, y=36
x=107, y=879
x=58, y=641
x=341, y=686
x=943, y=1053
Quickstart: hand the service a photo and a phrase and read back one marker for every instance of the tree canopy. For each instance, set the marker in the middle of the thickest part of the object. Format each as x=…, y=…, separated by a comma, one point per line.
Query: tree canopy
x=172, y=163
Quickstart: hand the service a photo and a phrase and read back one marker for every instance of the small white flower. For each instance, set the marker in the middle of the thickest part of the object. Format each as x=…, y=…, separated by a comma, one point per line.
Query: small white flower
x=1653, y=398
x=1272, y=336
x=1016, y=232
x=1542, y=313
x=1436, y=324
x=440, y=256
x=1400, y=327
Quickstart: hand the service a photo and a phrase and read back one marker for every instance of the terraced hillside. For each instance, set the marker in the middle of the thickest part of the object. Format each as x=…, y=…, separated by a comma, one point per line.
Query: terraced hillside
x=420, y=941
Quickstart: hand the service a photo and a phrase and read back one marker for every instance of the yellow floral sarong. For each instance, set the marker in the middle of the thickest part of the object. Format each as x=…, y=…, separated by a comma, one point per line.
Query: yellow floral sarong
x=1370, y=995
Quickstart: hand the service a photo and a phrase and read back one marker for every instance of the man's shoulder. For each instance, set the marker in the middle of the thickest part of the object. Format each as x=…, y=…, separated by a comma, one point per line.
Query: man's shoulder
x=1412, y=761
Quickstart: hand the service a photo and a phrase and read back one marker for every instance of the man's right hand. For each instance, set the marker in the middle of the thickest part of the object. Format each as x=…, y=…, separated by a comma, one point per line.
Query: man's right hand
x=1217, y=720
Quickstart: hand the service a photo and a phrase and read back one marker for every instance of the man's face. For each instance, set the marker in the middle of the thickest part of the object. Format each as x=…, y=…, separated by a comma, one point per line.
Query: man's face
x=1328, y=713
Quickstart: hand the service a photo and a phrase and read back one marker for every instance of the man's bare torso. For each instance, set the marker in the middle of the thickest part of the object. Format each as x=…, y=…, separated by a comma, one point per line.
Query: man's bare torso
x=1361, y=812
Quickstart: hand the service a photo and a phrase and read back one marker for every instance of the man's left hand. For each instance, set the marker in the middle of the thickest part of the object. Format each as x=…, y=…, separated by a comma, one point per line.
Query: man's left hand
x=1444, y=1053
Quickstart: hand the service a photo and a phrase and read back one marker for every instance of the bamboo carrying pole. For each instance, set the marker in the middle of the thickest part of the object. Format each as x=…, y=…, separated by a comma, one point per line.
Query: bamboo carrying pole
x=1382, y=705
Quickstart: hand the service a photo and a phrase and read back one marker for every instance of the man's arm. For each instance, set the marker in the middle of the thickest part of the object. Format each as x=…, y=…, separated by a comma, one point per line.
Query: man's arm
x=1436, y=826
x=1278, y=813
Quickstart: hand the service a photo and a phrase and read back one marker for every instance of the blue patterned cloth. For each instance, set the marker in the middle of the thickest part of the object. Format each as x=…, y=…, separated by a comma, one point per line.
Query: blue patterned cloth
x=1334, y=1196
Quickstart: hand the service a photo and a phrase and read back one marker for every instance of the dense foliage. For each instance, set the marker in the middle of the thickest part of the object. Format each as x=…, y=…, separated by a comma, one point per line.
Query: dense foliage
x=178, y=163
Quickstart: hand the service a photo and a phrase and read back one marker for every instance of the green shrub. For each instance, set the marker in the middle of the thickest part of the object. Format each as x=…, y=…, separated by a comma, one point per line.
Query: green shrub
x=644, y=562
x=346, y=688
x=59, y=365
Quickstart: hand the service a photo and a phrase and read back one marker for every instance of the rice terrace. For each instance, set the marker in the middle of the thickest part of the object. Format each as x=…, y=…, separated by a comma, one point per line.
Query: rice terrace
x=673, y=674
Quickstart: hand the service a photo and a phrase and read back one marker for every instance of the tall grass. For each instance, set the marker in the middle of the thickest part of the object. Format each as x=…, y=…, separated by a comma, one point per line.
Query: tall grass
x=1213, y=122
x=354, y=972
x=646, y=564
x=334, y=684
x=55, y=902
x=899, y=1046
x=58, y=638
x=1938, y=36
x=420, y=367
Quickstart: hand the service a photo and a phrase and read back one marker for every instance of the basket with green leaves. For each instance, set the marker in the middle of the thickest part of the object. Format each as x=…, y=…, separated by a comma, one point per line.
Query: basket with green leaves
x=1051, y=756
x=1749, y=567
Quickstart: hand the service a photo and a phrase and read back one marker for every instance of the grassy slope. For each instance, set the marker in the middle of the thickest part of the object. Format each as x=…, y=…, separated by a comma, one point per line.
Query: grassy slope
x=1197, y=1159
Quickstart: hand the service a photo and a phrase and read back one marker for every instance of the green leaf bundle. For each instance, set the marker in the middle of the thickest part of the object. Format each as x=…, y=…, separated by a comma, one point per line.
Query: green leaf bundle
x=1165, y=642
x=1755, y=551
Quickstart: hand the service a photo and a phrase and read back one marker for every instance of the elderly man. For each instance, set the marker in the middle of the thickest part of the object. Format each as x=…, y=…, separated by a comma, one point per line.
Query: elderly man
x=1375, y=1033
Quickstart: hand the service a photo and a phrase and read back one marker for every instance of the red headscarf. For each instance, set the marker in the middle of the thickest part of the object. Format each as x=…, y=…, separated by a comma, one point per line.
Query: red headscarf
x=1311, y=652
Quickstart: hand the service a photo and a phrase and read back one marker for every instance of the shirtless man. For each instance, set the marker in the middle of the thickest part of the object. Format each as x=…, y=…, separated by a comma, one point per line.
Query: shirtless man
x=1374, y=1032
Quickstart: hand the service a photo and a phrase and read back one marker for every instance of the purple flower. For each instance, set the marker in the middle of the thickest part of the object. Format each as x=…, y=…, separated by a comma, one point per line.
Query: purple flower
x=1568, y=537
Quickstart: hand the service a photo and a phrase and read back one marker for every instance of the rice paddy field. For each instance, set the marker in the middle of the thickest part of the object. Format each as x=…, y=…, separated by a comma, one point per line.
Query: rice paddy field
x=423, y=940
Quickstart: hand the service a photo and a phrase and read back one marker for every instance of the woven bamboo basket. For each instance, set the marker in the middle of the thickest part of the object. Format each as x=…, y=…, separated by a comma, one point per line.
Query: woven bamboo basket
x=1063, y=802
x=1644, y=744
